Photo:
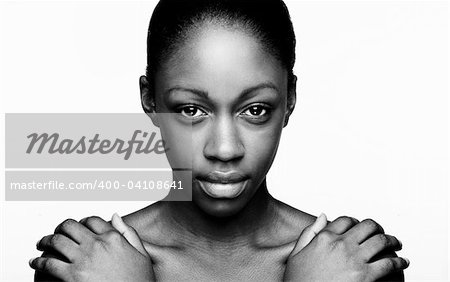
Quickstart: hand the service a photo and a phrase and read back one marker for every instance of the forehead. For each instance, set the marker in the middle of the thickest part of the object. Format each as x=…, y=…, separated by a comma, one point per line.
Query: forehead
x=222, y=60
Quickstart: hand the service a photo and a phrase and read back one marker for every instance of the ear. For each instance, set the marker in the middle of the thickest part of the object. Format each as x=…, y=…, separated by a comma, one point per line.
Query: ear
x=291, y=98
x=148, y=100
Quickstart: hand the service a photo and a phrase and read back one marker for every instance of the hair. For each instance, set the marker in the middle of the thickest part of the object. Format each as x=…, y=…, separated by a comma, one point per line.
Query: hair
x=173, y=21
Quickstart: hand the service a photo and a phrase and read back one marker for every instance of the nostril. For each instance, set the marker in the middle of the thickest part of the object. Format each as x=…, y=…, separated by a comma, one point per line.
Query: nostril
x=224, y=150
x=225, y=154
x=224, y=141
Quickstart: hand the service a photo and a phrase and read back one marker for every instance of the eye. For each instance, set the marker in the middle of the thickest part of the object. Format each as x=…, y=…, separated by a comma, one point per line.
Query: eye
x=191, y=111
x=256, y=111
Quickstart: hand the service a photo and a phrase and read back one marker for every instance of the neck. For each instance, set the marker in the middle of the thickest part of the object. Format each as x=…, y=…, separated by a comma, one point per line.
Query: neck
x=241, y=228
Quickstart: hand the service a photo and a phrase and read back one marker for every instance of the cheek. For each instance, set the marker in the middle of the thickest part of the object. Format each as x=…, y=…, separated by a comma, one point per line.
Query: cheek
x=262, y=143
x=178, y=140
x=261, y=148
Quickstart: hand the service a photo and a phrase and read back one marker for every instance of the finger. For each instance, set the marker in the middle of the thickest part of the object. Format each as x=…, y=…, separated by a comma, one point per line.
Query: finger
x=129, y=233
x=59, y=243
x=309, y=233
x=51, y=266
x=364, y=230
x=385, y=266
x=379, y=243
x=45, y=277
x=74, y=230
x=152, y=250
x=341, y=224
x=96, y=224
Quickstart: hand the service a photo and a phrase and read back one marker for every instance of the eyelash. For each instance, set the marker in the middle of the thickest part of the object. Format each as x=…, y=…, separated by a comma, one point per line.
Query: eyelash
x=266, y=110
x=192, y=108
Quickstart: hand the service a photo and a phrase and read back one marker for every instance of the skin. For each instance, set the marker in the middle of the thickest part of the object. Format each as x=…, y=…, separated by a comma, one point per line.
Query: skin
x=224, y=64
x=238, y=98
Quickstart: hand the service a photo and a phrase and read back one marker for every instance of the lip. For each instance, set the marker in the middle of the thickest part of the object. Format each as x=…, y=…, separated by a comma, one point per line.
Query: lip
x=220, y=177
x=226, y=185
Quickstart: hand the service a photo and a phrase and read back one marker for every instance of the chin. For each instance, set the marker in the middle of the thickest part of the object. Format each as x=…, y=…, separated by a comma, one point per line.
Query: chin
x=220, y=208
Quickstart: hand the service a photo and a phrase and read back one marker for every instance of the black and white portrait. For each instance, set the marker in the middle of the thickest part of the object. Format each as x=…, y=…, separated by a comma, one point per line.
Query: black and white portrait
x=301, y=140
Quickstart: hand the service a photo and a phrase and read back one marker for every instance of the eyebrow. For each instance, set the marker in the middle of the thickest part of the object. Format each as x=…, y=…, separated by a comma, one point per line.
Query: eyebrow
x=242, y=95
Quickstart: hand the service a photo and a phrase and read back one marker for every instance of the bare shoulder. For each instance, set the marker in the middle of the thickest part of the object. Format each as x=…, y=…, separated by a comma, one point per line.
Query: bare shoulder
x=149, y=222
x=296, y=218
x=290, y=223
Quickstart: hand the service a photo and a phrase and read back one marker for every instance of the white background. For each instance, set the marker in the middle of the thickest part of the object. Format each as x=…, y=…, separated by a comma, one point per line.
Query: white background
x=368, y=138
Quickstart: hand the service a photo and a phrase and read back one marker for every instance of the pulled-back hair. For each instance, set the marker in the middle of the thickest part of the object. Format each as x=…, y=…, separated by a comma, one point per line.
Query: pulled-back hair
x=174, y=20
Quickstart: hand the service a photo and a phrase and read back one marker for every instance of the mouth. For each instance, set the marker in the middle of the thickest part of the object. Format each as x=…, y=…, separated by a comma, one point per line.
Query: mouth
x=227, y=185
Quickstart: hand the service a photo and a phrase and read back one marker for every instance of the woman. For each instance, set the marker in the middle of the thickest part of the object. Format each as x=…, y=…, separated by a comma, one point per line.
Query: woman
x=226, y=67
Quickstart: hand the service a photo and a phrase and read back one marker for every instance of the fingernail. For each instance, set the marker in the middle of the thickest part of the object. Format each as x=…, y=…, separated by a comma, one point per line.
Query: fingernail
x=401, y=244
x=31, y=261
x=37, y=243
x=115, y=215
x=323, y=216
x=407, y=261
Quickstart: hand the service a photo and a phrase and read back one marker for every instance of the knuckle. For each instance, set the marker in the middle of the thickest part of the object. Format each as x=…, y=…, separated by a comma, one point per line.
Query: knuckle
x=48, y=266
x=98, y=244
x=388, y=266
x=354, y=220
x=325, y=236
x=384, y=240
x=65, y=225
x=112, y=236
x=373, y=225
x=345, y=220
x=338, y=244
x=92, y=220
x=55, y=239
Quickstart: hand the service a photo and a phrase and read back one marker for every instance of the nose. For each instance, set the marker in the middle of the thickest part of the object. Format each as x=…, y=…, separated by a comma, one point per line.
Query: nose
x=224, y=142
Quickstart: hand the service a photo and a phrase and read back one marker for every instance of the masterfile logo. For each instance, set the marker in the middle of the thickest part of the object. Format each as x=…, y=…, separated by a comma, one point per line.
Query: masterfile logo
x=94, y=145
x=92, y=157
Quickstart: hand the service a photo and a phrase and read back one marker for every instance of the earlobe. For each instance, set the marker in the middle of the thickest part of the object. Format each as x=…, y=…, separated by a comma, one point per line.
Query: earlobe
x=291, y=98
x=148, y=99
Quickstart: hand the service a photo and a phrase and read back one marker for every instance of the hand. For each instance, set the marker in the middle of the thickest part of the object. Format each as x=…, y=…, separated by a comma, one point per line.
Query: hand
x=309, y=233
x=93, y=250
x=129, y=233
x=345, y=250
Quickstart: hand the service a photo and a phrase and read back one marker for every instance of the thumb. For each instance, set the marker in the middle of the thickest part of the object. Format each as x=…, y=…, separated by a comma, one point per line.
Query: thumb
x=129, y=233
x=309, y=233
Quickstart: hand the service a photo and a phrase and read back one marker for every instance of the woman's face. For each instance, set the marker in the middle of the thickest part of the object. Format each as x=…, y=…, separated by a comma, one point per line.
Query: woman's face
x=235, y=96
